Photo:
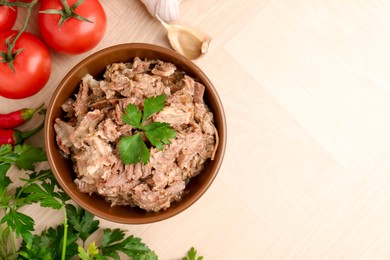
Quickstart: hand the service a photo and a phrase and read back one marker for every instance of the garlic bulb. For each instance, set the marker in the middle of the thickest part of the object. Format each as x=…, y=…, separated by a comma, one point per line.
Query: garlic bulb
x=188, y=41
x=167, y=10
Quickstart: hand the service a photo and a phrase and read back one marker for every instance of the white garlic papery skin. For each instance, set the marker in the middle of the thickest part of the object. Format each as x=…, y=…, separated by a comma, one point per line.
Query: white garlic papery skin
x=166, y=10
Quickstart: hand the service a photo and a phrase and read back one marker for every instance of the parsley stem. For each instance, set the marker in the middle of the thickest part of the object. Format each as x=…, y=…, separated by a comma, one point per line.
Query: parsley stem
x=28, y=181
x=12, y=242
x=65, y=238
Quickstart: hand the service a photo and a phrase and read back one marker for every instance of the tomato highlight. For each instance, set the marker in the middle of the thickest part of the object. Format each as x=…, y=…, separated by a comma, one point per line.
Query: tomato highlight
x=8, y=16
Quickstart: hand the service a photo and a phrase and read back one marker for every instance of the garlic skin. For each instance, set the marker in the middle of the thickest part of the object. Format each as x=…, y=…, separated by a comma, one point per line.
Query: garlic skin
x=166, y=10
x=190, y=42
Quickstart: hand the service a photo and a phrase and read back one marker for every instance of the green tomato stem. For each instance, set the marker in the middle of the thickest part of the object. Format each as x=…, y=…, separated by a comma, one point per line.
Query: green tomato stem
x=29, y=6
x=67, y=13
x=15, y=4
x=67, y=9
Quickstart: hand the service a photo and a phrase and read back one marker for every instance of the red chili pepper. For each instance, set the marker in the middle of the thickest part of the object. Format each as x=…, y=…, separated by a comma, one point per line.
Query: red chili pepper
x=13, y=136
x=17, y=117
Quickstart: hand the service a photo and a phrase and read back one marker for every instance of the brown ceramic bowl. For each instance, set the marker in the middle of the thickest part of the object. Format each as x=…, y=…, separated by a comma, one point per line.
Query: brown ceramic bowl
x=62, y=168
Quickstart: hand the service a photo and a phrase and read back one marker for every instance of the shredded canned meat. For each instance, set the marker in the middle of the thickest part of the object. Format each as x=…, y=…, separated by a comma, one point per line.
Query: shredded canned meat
x=92, y=126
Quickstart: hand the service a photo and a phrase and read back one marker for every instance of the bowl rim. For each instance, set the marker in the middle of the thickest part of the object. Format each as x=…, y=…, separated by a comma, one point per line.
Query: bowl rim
x=148, y=218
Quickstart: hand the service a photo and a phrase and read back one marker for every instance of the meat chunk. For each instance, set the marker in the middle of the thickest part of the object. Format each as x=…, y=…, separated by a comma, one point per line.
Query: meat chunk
x=63, y=132
x=157, y=199
x=95, y=160
x=68, y=107
x=81, y=104
x=85, y=187
x=198, y=92
x=174, y=116
x=164, y=69
x=108, y=130
x=86, y=127
x=140, y=66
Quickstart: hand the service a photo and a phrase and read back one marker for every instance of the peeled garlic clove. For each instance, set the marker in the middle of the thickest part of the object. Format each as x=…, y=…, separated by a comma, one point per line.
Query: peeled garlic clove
x=188, y=41
x=166, y=10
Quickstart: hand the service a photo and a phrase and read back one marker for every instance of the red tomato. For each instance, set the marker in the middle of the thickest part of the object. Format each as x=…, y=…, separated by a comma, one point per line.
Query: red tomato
x=73, y=36
x=7, y=17
x=32, y=66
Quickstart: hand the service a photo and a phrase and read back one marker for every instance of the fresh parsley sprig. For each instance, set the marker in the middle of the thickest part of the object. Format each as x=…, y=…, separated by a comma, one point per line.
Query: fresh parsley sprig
x=192, y=255
x=23, y=156
x=113, y=243
x=81, y=226
x=132, y=148
x=68, y=239
x=38, y=186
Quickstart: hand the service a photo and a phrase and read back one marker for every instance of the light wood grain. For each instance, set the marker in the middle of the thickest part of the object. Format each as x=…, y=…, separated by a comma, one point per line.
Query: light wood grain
x=306, y=91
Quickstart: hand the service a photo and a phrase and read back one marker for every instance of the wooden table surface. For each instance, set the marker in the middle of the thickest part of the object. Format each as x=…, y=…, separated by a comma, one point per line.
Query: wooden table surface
x=306, y=90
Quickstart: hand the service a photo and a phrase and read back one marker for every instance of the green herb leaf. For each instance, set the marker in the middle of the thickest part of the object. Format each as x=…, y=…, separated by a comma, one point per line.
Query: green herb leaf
x=159, y=134
x=28, y=155
x=23, y=156
x=82, y=221
x=133, y=149
x=5, y=149
x=43, y=194
x=112, y=236
x=90, y=254
x=132, y=116
x=7, y=155
x=191, y=255
x=22, y=224
x=49, y=245
x=132, y=246
x=153, y=105
x=4, y=180
x=56, y=238
x=40, y=248
x=44, y=176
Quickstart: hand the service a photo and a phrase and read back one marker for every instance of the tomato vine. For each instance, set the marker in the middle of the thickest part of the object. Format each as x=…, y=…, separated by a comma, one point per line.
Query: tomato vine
x=9, y=56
